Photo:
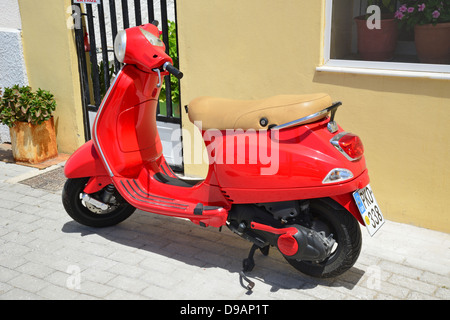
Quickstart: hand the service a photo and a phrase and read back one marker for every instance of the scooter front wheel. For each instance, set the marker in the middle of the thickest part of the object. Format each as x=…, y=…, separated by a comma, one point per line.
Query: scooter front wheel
x=336, y=220
x=90, y=215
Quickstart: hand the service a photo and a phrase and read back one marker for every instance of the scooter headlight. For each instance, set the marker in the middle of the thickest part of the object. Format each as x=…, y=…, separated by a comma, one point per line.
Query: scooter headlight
x=120, y=45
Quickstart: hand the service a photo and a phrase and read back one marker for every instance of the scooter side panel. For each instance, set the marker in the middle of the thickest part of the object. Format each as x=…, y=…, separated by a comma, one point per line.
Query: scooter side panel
x=298, y=157
x=258, y=195
x=125, y=129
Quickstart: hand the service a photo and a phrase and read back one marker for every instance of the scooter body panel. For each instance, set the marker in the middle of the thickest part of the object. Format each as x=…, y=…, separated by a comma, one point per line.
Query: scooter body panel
x=84, y=162
x=261, y=167
x=298, y=157
x=125, y=131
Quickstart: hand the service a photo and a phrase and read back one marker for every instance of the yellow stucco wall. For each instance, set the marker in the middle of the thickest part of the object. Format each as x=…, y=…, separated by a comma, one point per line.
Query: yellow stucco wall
x=51, y=62
x=258, y=48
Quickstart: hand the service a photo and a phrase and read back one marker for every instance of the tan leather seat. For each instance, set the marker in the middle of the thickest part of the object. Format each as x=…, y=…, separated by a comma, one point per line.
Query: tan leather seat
x=219, y=113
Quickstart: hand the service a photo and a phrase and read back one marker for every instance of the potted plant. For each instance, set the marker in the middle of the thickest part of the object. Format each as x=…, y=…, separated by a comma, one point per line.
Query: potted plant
x=378, y=43
x=28, y=114
x=430, y=20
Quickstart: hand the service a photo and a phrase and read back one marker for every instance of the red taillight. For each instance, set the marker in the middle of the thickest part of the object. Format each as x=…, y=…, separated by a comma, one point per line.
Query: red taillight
x=352, y=145
x=349, y=144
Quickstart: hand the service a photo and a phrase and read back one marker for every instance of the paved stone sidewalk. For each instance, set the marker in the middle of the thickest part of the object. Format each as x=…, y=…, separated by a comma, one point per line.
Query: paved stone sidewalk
x=46, y=255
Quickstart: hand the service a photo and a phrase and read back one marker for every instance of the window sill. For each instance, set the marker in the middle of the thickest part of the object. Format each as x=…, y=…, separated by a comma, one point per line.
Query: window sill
x=405, y=70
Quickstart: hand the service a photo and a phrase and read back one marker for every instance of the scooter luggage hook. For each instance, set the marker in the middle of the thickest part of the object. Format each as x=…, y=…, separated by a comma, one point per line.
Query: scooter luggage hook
x=158, y=85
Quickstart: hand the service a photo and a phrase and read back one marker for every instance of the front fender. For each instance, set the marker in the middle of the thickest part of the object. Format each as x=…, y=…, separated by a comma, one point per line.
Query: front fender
x=85, y=162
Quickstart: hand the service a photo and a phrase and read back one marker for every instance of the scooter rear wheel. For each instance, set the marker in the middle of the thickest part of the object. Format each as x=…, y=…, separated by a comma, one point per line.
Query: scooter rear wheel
x=336, y=220
x=89, y=215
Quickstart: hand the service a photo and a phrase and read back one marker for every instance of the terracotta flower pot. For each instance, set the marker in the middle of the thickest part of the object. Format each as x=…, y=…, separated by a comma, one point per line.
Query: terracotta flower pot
x=33, y=143
x=433, y=43
x=377, y=44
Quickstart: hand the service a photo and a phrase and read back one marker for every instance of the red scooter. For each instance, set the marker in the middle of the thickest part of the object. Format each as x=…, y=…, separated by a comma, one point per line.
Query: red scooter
x=281, y=173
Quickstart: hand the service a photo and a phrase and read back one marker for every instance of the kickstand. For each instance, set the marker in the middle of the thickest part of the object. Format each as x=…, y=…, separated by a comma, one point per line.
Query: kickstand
x=250, y=284
x=265, y=250
x=249, y=263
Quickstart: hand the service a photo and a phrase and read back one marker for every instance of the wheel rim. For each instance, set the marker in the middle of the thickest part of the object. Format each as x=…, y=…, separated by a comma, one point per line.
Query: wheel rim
x=92, y=211
x=320, y=224
x=95, y=209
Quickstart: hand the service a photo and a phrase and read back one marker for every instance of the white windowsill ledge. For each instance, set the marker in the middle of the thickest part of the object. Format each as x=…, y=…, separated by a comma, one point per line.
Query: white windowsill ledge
x=385, y=72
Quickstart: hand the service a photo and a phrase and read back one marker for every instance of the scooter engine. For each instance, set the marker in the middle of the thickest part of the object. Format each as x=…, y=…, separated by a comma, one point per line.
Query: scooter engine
x=264, y=228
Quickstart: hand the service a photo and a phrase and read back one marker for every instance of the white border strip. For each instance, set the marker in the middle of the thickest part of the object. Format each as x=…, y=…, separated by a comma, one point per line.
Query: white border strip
x=385, y=72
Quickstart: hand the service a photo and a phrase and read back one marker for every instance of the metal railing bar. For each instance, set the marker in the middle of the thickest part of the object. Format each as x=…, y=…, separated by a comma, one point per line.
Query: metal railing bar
x=112, y=11
x=101, y=21
x=151, y=11
x=93, y=56
x=165, y=33
x=137, y=12
x=126, y=20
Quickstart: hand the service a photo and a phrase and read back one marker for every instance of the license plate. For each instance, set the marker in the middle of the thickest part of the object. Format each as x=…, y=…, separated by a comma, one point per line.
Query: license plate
x=369, y=209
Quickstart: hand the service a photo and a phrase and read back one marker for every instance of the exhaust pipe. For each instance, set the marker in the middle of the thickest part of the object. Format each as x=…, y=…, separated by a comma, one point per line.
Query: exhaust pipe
x=299, y=243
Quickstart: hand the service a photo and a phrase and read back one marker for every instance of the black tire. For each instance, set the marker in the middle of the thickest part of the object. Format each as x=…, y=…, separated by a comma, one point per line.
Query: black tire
x=82, y=213
x=330, y=217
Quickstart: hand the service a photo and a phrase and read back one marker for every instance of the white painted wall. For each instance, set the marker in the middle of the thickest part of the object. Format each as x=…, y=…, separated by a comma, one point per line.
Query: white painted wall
x=170, y=135
x=12, y=62
x=10, y=14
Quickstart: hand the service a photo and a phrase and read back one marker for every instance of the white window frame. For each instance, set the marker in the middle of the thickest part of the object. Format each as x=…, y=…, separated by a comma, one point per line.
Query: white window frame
x=397, y=69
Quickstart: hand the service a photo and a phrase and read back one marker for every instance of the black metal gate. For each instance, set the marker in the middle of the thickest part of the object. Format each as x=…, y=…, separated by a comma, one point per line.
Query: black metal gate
x=96, y=26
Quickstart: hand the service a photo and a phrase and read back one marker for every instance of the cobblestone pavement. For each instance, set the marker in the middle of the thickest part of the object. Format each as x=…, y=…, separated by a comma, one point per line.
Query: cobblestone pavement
x=46, y=255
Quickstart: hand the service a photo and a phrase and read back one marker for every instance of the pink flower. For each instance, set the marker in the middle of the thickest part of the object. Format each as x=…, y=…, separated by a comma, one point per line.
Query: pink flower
x=403, y=8
x=411, y=9
x=436, y=14
x=422, y=7
x=399, y=15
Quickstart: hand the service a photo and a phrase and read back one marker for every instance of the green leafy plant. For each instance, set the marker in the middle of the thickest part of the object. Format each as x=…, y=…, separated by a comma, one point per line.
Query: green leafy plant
x=21, y=104
x=386, y=6
x=101, y=76
x=173, y=53
x=420, y=12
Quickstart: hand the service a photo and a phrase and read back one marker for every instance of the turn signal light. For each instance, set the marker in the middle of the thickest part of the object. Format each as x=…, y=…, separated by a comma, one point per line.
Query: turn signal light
x=349, y=144
x=338, y=175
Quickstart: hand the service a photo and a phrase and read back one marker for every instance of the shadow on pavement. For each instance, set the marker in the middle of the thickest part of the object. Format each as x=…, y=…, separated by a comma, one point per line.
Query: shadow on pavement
x=208, y=248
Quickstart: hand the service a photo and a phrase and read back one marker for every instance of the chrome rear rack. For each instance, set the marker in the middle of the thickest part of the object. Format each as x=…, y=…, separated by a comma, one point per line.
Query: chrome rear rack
x=312, y=118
